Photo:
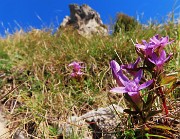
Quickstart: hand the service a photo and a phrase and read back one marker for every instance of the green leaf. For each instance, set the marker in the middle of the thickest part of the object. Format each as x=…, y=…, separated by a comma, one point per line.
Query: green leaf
x=173, y=86
x=152, y=113
x=128, y=98
x=170, y=78
x=148, y=104
x=163, y=127
x=152, y=135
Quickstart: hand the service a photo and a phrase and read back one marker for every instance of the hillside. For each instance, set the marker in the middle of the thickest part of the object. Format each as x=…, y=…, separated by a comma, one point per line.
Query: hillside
x=38, y=94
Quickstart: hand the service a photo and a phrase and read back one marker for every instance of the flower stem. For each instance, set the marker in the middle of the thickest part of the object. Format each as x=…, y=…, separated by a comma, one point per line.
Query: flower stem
x=163, y=100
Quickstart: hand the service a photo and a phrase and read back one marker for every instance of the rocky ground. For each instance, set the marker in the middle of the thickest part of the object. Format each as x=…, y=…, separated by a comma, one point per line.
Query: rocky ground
x=4, y=132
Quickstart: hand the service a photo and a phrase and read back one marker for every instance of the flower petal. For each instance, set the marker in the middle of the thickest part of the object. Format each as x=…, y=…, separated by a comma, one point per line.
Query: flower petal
x=162, y=56
x=169, y=56
x=146, y=84
x=118, y=90
x=115, y=68
x=140, y=46
x=164, y=40
x=122, y=78
x=153, y=59
x=136, y=62
x=138, y=76
x=73, y=63
x=114, y=65
x=155, y=39
x=133, y=93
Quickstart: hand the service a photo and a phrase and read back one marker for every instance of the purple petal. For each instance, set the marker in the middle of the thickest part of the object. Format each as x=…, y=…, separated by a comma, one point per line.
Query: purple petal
x=153, y=59
x=169, y=56
x=122, y=78
x=170, y=42
x=138, y=76
x=131, y=66
x=136, y=63
x=133, y=93
x=79, y=73
x=73, y=63
x=118, y=90
x=144, y=42
x=73, y=74
x=165, y=40
x=155, y=39
x=146, y=84
x=114, y=66
x=162, y=56
x=140, y=46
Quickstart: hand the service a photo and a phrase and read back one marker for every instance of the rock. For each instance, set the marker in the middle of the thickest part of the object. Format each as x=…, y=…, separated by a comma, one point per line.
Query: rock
x=100, y=121
x=65, y=21
x=85, y=20
x=4, y=132
x=20, y=134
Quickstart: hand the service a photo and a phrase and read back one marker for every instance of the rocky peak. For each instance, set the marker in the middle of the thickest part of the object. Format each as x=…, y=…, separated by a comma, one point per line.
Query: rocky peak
x=86, y=20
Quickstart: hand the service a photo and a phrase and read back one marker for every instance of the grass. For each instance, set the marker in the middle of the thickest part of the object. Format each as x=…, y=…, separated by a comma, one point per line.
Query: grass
x=36, y=91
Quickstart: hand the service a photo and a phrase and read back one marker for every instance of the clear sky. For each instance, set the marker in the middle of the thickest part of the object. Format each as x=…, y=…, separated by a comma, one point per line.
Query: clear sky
x=16, y=14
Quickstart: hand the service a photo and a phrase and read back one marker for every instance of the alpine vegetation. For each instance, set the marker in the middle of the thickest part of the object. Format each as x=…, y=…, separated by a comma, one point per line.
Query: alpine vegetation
x=146, y=83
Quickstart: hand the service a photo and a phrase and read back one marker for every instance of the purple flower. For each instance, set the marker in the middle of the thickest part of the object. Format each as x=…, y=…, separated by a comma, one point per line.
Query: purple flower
x=159, y=61
x=76, y=69
x=145, y=48
x=159, y=43
x=156, y=44
x=132, y=87
x=131, y=68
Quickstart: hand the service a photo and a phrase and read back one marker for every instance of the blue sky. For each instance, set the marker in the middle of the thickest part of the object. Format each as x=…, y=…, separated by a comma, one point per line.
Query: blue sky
x=16, y=14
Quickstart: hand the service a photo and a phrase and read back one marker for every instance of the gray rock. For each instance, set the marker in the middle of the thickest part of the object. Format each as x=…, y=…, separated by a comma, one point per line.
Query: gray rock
x=4, y=132
x=100, y=121
x=86, y=20
x=20, y=134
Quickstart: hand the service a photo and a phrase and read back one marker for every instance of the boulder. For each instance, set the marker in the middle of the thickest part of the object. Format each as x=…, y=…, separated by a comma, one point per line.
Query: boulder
x=85, y=20
x=101, y=123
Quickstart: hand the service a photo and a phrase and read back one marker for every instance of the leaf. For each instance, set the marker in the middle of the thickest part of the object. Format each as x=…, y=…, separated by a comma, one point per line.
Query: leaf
x=130, y=112
x=170, y=78
x=128, y=98
x=148, y=104
x=173, y=86
x=163, y=127
x=152, y=135
x=152, y=113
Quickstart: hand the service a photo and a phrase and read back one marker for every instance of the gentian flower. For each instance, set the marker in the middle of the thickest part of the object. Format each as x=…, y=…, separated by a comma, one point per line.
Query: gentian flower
x=145, y=48
x=159, y=43
x=132, y=87
x=76, y=69
x=159, y=61
x=131, y=68
x=156, y=44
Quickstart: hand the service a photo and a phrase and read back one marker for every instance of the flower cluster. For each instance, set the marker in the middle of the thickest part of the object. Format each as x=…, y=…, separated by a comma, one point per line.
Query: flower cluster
x=153, y=52
x=130, y=79
x=76, y=69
